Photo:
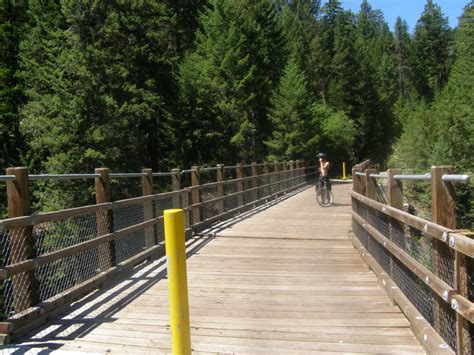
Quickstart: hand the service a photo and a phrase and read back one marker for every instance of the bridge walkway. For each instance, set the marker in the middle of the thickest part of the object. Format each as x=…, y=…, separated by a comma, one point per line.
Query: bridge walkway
x=283, y=280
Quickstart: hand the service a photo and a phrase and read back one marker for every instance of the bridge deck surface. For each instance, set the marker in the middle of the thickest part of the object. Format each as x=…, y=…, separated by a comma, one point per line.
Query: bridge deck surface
x=285, y=280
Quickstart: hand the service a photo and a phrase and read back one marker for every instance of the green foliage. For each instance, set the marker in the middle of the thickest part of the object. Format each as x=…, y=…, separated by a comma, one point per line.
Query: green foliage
x=89, y=83
x=442, y=132
x=226, y=83
x=12, y=19
x=432, y=45
x=295, y=133
x=302, y=128
x=96, y=78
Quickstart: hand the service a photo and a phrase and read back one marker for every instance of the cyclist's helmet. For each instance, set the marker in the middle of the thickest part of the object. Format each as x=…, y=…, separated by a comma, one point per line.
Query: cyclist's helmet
x=322, y=155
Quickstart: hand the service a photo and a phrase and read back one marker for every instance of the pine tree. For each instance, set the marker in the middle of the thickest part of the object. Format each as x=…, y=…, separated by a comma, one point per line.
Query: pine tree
x=454, y=108
x=95, y=78
x=323, y=51
x=227, y=83
x=12, y=19
x=404, y=58
x=432, y=45
x=299, y=18
x=295, y=134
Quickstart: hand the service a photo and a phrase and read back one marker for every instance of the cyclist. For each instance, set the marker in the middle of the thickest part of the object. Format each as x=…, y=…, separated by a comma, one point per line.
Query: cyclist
x=324, y=166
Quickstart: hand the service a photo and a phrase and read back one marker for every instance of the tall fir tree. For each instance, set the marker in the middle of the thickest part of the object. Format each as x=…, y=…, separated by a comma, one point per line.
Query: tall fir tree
x=323, y=50
x=95, y=77
x=295, y=133
x=432, y=46
x=404, y=60
x=299, y=18
x=13, y=15
x=227, y=82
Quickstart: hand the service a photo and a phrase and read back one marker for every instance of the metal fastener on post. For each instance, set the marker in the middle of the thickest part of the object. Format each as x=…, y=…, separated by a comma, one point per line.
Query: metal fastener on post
x=177, y=281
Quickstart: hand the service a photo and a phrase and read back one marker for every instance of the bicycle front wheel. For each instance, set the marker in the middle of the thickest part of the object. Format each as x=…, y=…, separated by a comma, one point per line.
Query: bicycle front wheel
x=324, y=197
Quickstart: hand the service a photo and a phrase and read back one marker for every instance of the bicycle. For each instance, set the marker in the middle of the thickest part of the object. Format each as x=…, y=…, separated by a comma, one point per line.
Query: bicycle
x=324, y=196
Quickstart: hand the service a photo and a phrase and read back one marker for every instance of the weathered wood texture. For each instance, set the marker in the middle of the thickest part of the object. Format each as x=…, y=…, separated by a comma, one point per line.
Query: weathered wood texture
x=284, y=280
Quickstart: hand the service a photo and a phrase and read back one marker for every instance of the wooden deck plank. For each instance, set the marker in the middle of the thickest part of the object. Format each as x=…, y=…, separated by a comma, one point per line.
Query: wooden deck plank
x=282, y=281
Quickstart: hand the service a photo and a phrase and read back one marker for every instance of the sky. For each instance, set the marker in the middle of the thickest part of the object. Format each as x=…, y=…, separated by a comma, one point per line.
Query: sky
x=410, y=10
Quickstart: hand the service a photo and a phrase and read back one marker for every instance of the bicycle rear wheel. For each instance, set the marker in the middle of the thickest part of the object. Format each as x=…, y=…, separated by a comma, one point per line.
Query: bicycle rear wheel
x=324, y=197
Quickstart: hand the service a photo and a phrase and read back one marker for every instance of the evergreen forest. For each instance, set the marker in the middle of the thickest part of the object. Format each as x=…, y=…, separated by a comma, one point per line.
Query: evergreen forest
x=128, y=84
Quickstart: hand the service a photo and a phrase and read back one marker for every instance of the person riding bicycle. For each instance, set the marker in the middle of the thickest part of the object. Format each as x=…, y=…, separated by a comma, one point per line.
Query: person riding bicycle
x=324, y=166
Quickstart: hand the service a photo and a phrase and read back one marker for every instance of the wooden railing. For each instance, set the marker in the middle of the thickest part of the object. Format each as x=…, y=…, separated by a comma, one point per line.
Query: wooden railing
x=51, y=259
x=426, y=266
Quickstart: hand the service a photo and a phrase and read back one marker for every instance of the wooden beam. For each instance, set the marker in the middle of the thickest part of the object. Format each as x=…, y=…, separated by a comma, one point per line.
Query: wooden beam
x=22, y=244
x=149, y=211
x=103, y=193
x=195, y=194
x=220, y=188
x=254, y=181
x=239, y=172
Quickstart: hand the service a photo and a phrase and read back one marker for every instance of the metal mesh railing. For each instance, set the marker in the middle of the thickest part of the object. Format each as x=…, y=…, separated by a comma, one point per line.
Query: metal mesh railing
x=417, y=257
x=46, y=255
x=131, y=243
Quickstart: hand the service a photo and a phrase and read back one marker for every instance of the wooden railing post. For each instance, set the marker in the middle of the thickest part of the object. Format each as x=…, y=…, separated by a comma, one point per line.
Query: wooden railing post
x=298, y=172
x=356, y=180
x=105, y=226
x=196, y=212
x=254, y=181
x=148, y=207
x=284, y=170
x=266, y=171
x=220, y=188
x=176, y=186
x=276, y=170
x=443, y=213
x=22, y=244
x=370, y=184
x=239, y=174
x=395, y=199
x=292, y=173
x=462, y=284
x=443, y=210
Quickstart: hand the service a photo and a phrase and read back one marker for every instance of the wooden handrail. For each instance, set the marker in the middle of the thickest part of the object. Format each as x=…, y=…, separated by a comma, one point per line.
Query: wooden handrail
x=449, y=245
x=105, y=235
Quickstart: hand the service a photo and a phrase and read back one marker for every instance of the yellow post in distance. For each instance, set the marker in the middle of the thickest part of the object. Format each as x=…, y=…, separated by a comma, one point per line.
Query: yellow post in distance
x=177, y=280
x=344, y=170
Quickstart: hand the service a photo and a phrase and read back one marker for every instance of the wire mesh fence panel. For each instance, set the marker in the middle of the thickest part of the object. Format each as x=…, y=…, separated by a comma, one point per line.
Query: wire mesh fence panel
x=13, y=251
x=261, y=182
x=248, y=184
x=380, y=253
x=419, y=294
x=282, y=179
x=361, y=234
x=444, y=262
x=417, y=244
x=231, y=202
x=62, y=274
x=162, y=204
x=447, y=323
x=379, y=221
x=134, y=242
x=273, y=182
x=211, y=209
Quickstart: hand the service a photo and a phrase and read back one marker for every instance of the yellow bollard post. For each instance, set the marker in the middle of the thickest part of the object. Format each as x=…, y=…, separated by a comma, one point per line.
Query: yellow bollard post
x=178, y=285
x=344, y=170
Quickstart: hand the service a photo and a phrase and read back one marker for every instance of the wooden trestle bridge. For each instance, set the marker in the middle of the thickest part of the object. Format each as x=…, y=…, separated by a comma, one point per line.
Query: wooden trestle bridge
x=269, y=270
